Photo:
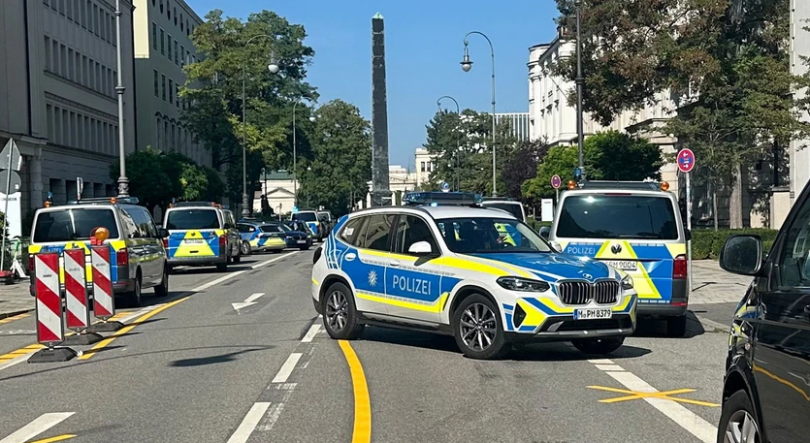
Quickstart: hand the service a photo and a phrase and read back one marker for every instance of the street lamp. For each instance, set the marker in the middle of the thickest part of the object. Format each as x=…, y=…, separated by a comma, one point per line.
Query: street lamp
x=458, y=135
x=580, y=83
x=295, y=151
x=123, y=181
x=273, y=68
x=466, y=65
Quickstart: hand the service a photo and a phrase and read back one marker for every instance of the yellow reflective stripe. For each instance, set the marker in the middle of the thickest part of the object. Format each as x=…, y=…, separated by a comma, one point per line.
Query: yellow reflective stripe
x=534, y=316
x=676, y=249
x=643, y=284
x=435, y=308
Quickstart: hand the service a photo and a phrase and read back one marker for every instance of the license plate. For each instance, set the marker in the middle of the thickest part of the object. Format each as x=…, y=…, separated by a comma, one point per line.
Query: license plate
x=194, y=241
x=622, y=264
x=592, y=314
x=301, y=242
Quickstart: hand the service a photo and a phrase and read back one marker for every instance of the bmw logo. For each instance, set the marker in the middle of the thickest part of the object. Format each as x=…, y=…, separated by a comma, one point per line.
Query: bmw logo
x=588, y=276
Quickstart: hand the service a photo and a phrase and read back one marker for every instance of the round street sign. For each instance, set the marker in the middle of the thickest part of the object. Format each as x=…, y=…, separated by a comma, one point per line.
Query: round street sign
x=686, y=160
x=445, y=187
x=556, y=181
x=16, y=182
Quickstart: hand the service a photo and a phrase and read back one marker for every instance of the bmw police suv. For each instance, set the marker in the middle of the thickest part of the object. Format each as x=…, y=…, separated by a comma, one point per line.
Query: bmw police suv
x=477, y=274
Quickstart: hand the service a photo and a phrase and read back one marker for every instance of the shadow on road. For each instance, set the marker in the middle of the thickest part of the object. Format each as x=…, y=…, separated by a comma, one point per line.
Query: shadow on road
x=214, y=359
x=657, y=328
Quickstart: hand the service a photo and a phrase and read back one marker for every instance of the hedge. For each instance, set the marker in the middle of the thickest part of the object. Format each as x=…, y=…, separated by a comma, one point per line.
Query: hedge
x=707, y=243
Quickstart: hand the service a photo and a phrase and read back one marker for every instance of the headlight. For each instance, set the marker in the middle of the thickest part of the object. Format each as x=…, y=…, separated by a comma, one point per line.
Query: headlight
x=627, y=282
x=523, y=284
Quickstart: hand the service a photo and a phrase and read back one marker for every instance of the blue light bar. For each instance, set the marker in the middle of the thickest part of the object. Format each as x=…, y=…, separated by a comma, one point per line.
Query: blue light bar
x=442, y=199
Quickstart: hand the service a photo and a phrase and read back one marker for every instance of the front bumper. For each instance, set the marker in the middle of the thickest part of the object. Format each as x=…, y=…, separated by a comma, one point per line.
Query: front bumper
x=198, y=261
x=565, y=328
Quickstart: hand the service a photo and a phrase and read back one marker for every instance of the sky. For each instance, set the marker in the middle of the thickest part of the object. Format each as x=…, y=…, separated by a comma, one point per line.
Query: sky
x=424, y=42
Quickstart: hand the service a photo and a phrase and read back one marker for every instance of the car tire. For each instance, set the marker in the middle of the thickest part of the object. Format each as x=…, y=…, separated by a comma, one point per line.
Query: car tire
x=736, y=410
x=340, y=317
x=222, y=267
x=162, y=289
x=133, y=298
x=599, y=346
x=304, y=248
x=470, y=328
x=244, y=248
x=676, y=326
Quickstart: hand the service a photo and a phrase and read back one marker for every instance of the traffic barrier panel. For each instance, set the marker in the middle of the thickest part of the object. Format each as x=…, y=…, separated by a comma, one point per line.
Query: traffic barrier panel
x=50, y=325
x=103, y=295
x=77, y=302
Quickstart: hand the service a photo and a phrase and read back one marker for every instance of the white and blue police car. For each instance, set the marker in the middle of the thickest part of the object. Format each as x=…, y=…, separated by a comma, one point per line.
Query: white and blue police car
x=478, y=274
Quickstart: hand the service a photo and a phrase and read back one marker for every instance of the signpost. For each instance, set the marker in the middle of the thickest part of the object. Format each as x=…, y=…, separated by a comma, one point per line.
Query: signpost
x=556, y=182
x=686, y=162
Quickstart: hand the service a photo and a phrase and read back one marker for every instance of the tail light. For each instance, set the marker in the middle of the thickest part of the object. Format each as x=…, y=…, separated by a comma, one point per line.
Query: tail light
x=223, y=241
x=165, y=242
x=122, y=257
x=679, y=267
x=31, y=263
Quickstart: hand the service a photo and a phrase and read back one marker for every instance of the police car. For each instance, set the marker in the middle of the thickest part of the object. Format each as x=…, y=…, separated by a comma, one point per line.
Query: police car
x=446, y=269
x=201, y=233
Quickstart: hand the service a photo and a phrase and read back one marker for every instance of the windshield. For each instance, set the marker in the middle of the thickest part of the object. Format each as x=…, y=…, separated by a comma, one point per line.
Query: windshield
x=305, y=216
x=184, y=219
x=512, y=208
x=73, y=224
x=617, y=216
x=483, y=235
x=271, y=228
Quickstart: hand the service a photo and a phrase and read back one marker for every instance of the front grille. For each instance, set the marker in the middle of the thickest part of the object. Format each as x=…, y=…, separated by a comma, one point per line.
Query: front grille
x=581, y=292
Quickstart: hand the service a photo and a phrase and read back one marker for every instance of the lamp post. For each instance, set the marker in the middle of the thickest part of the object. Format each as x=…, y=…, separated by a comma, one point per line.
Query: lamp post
x=580, y=83
x=456, y=178
x=466, y=65
x=123, y=181
x=295, y=153
x=273, y=68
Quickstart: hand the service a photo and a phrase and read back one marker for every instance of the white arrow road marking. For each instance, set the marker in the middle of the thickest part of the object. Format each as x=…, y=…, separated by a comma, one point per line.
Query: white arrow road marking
x=248, y=424
x=36, y=427
x=248, y=301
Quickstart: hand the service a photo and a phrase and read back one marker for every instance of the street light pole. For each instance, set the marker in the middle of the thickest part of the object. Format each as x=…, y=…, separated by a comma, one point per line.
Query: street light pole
x=466, y=65
x=273, y=68
x=295, y=154
x=123, y=181
x=456, y=178
x=580, y=83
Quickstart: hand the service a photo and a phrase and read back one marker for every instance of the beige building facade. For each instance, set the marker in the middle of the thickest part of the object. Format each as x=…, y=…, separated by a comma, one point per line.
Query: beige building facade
x=58, y=73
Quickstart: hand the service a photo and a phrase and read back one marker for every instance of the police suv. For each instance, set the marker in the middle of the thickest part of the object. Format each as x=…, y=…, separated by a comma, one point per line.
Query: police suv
x=447, y=269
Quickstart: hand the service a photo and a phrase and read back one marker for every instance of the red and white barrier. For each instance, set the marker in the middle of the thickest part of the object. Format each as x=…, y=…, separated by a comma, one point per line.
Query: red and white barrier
x=76, y=300
x=50, y=328
x=103, y=301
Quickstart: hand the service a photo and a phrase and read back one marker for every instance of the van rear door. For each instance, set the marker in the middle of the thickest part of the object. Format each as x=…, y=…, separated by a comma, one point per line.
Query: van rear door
x=194, y=233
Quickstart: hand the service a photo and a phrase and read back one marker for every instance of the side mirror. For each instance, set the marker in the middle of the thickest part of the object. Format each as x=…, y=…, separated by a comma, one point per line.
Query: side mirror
x=421, y=248
x=163, y=233
x=742, y=254
x=544, y=231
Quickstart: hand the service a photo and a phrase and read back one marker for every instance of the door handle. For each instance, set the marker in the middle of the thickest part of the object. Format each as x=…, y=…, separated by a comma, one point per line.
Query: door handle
x=350, y=256
x=394, y=264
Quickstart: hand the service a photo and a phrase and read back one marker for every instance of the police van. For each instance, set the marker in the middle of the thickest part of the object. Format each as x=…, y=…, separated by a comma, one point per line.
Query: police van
x=201, y=234
x=447, y=269
x=137, y=258
x=514, y=207
x=636, y=228
x=313, y=222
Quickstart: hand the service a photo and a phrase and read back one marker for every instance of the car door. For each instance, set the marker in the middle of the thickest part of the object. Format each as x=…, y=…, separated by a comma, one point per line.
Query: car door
x=232, y=233
x=150, y=253
x=781, y=359
x=413, y=283
x=365, y=264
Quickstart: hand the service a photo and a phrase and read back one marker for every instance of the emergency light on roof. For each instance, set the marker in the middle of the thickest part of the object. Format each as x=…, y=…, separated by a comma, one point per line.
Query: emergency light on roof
x=618, y=184
x=442, y=199
x=197, y=203
x=112, y=200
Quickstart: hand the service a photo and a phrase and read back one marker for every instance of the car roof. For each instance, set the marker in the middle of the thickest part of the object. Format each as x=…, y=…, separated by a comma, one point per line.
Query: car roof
x=619, y=191
x=438, y=212
x=195, y=207
x=501, y=202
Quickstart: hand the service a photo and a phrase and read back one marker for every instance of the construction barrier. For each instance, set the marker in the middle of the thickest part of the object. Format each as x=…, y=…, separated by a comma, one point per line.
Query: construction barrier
x=103, y=297
x=50, y=328
x=76, y=300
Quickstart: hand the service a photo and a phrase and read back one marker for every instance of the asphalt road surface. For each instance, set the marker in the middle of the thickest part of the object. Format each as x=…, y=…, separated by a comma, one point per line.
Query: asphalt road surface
x=242, y=357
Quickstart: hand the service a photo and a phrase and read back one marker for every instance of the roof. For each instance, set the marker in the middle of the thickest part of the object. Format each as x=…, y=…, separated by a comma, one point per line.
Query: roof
x=438, y=212
x=277, y=175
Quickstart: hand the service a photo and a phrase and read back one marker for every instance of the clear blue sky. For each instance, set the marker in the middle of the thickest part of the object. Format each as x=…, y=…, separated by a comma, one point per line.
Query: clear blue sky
x=424, y=45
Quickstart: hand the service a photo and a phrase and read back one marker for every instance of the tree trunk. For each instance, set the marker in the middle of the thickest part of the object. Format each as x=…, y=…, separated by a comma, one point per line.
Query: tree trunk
x=735, y=202
x=713, y=187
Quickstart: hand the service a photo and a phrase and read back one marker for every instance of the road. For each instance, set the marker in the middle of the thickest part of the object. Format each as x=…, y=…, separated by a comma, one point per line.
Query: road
x=195, y=368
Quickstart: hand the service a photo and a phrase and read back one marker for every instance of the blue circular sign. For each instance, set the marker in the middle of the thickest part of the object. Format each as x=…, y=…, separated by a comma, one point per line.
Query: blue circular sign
x=445, y=186
x=686, y=160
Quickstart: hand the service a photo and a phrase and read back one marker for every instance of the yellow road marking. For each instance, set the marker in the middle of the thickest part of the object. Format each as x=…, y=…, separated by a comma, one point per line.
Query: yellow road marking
x=664, y=395
x=106, y=342
x=14, y=318
x=55, y=439
x=362, y=402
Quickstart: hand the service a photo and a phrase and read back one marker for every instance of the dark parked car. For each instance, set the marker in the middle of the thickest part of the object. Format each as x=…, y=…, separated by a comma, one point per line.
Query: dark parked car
x=295, y=238
x=767, y=381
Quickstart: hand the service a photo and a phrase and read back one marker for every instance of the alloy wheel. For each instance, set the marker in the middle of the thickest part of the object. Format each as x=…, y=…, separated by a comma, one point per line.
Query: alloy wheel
x=478, y=327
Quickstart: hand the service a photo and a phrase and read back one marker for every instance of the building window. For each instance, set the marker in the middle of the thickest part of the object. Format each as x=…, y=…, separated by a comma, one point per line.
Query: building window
x=177, y=96
x=182, y=28
x=166, y=145
x=69, y=9
x=48, y=55
x=62, y=7
x=99, y=79
x=175, y=16
x=157, y=85
x=74, y=130
x=176, y=53
x=86, y=139
x=49, y=118
x=77, y=63
x=423, y=166
x=154, y=37
x=171, y=91
x=86, y=71
x=95, y=19
x=161, y=6
x=163, y=86
x=62, y=60
x=169, y=40
x=65, y=137
x=162, y=42
x=88, y=19
x=182, y=56
x=112, y=27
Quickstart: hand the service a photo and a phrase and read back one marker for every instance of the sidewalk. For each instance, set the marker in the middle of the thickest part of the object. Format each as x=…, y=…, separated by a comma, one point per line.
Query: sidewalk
x=712, y=285
x=15, y=298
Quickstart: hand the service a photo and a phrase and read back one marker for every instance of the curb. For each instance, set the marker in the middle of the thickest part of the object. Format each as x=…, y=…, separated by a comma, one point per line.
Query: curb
x=13, y=313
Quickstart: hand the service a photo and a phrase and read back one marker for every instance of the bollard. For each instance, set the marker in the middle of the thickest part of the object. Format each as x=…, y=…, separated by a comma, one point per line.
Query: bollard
x=77, y=303
x=50, y=325
x=103, y=296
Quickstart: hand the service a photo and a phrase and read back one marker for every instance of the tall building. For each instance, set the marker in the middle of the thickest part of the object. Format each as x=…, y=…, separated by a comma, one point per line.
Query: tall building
x=163, y=47
x=518, y=123
x=58, y=73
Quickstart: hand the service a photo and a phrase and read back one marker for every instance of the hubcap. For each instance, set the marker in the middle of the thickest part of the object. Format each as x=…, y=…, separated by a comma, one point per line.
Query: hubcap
x=742, y=428
x=337, y=311
x=478, y=327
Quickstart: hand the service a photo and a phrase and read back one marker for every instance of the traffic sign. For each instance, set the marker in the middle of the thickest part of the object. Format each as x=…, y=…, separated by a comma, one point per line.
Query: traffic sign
x=14, y=161
x=556, y=181
x=686, y=160
x=577, y=173
x=295, y=210
x=14, y=185
x=445, y=187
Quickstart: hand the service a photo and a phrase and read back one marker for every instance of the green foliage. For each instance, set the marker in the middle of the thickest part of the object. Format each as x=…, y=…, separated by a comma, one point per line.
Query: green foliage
x=560, y=160
x=706, y=244
x=522, y=166
x=340, y=166
x=156, y=177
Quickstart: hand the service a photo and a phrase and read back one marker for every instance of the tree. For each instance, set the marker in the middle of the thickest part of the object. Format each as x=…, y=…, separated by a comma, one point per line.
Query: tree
x=461, y=146
x=521, y=166
x=560, y=160
x=340, y=167
x=214, y=89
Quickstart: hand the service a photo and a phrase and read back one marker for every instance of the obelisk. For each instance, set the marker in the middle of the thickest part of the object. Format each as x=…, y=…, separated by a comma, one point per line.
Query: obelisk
x=380, y=193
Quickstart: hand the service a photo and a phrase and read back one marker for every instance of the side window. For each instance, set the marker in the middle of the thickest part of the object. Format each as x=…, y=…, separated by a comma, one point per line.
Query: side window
x=352, y=230
x=412, y=229
x=378, y=230
x=132, y=228
x=245, y=228
x=794, y=266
